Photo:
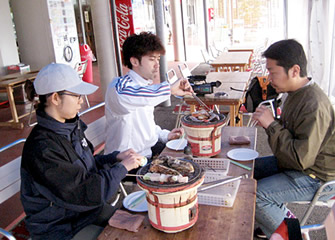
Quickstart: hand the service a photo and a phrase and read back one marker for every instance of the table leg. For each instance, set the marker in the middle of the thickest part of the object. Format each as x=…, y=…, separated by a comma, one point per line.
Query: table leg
x=12, y=106
x=240, y=116
x=235, y=113
x=232, y=115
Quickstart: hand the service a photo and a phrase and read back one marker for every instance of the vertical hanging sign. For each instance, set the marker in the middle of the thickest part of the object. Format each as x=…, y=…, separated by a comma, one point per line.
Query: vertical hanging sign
x=124, y=16
x=210, y=14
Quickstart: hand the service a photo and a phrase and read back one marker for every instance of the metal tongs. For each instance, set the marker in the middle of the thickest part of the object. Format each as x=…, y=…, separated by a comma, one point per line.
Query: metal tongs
x=207, y=109
x=202, y=103
x=216, y=183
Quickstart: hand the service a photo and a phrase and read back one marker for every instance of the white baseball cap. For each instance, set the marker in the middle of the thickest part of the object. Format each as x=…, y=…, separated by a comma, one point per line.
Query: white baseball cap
x=57, y=77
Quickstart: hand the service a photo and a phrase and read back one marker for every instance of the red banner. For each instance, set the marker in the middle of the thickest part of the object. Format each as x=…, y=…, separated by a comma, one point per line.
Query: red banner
x=124, y=16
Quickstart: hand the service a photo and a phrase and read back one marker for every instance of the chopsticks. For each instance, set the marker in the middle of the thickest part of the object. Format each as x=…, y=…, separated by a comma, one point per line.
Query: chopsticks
x=137, y=200
x=268, y=104
x=253, y=123
x=181, y=140
x=240, y=165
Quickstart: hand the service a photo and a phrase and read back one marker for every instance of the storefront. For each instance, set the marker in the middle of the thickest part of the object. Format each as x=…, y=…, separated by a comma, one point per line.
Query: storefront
x=227, y=22
x=245, y=22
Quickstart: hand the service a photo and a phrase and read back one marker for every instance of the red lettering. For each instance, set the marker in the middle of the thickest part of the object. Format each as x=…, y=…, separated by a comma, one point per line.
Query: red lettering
x=124, y=19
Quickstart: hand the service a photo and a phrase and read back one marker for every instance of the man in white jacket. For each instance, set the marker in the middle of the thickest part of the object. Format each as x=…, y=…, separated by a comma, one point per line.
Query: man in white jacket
x=130, y=99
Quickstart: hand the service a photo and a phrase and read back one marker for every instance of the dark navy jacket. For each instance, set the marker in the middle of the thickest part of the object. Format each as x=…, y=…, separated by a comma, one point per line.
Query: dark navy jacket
x=63, y=187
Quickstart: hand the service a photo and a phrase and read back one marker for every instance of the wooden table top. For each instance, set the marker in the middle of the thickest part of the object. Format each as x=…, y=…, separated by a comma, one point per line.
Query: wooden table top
x=229, y=77
x=213, y=222
x=227, y=131
x=231, y=58
x=17, y=78
x=229, y=80
x=233, y=97
x=240, y=48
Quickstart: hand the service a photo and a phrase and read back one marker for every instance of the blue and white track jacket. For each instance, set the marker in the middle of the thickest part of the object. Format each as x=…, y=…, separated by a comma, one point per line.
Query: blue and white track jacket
x=130, y=102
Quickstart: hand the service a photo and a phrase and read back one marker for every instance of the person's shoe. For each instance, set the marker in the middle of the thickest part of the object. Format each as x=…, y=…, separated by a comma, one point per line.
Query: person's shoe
x=259, y=233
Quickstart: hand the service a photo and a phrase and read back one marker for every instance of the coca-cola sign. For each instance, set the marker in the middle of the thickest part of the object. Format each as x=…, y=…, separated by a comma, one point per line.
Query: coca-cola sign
x=124, y=16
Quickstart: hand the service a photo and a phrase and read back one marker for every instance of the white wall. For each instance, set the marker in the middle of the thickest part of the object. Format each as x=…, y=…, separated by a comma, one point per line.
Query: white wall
x=8, y=50
x=298, y=21
x=33, y=32
x=311, y=22
x=41, y=33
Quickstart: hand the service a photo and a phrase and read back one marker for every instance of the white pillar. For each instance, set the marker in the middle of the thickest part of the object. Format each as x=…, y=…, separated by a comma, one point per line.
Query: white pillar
x=104, y=42
x=160, y=32
x=82, y=21
x=8, y=49
x=206, y=24
x=177, y=31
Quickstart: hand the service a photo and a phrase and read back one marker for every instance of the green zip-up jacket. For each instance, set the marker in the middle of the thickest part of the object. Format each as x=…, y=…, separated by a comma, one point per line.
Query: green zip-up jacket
x=303, y=139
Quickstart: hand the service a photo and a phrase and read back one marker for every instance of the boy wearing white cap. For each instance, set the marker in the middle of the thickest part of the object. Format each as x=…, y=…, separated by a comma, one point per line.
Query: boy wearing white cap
x=64, y=188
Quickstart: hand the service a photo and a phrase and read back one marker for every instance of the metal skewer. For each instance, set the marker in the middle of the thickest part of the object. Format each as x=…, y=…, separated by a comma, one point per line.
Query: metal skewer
x=223, y=181
x=133, y=175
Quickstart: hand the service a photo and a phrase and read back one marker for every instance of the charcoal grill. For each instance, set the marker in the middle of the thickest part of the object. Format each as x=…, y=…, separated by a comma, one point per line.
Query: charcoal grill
x=193, y=177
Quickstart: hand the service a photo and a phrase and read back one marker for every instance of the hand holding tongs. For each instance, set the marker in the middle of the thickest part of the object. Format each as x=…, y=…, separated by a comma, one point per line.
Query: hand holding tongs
x=213, y=184
x=269, y=104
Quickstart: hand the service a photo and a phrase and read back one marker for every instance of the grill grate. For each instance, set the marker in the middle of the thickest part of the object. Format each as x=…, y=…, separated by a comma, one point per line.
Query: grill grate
x=193, y=177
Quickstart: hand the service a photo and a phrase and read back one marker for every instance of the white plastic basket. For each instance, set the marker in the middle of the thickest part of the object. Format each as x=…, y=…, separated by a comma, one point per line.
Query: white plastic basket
x=223, y=195
x=216, y=169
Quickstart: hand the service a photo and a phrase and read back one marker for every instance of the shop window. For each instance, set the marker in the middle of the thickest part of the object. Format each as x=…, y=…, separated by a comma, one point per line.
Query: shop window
x=246, y=21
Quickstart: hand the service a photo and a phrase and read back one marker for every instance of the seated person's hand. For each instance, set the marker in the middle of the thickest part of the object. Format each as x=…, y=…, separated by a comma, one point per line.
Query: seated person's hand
x=181, y=88
x=175, y=133
x=130, y=159
x=125, y=154
x=264, y=116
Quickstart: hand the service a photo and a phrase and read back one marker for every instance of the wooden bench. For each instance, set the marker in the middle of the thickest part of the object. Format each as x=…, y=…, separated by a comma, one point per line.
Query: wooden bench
x=95, y=132
x=10, y=179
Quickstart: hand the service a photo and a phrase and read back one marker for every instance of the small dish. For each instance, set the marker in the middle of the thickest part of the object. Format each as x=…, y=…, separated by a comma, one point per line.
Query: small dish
x=177, y=144
x=242, y=154
x=136, y=202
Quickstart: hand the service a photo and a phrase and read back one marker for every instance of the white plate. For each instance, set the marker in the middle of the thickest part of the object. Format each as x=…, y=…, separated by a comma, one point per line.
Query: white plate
x=177, y=144
x=242, y=154
x=140, y=206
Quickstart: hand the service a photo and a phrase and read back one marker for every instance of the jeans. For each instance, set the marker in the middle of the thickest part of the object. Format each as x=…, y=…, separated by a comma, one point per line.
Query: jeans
x=275, y=188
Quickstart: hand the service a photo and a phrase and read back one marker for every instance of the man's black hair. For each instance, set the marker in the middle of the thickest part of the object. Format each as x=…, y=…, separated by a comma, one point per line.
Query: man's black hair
x=139, y=45
x=288, y=53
